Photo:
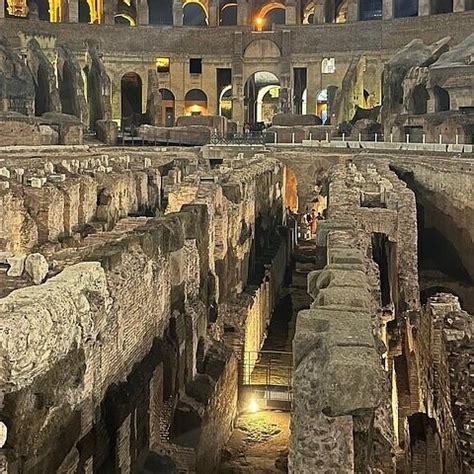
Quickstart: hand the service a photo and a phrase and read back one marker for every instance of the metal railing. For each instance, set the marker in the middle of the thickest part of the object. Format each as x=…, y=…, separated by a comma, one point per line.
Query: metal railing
x=251, y=138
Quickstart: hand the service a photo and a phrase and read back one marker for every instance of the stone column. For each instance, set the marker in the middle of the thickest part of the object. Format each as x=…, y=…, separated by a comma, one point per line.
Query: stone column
x=143, y=13
x=109, y=12
x=290, y=13
x=387, y=9
x=2, y=8
x=73, y=11
x=213, y=13
x=353, y=10
x=178, y=13
x=238, y=103
x=459, y=5
x=242, y=13
x=423, y=7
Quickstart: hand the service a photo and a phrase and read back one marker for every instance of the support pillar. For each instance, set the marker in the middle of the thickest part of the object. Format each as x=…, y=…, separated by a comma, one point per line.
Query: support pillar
x=387, y=9
x=290, y=13
x=2, y=8
x=73, y=11
x=213, y=13
x=353, y=10
x=423, y=7
x=459, y=5
x=109, y=12
x=177, y=13
x=143, y=13
x=242, y=13
x=238, y=103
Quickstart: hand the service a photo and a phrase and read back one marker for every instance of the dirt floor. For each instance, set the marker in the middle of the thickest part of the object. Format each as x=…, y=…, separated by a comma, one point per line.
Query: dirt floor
x=258, y=445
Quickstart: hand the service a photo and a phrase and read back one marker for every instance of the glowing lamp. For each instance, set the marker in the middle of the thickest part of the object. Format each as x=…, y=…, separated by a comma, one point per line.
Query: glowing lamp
x=259, y=21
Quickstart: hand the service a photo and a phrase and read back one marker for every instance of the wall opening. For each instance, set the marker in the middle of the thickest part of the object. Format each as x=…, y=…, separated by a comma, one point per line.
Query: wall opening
x=442, y=100
x=441, y=6
x=41, y=92
x=370, y=10
x=270, y=14
x=167, y=107
x=419, y=100
x=194, y=14
x=195, y=102
x=67, y=92
x=405, y=8
x=160, y=12
x=84, y=12
x=262, y=99
x=131, y=99
x=227, y=13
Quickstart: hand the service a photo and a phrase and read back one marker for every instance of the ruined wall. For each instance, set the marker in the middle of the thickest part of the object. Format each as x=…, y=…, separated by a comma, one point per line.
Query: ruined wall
x=119, y=359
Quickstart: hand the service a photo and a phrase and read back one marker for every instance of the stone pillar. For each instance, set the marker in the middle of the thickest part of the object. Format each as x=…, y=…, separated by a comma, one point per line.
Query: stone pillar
x=459, y=5
x=109, y=12
x=290, y=13
x=73, y=11
x=143, y=13
x=353, y=10
x=178, y=13
x=2, y=8
x=242, y=13
x=213, y=13
x=424, y=7
x=238, y=109
x=387, y=9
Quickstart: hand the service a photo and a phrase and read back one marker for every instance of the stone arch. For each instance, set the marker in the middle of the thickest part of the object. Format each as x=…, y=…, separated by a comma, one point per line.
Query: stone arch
x=168, y=107
x=195, y=102
x=131, y=98
x=257, y=86
x=227, y=13
x=442, y=99
x=225, y=102
x=195, y=13
x=270, y=14
x=261, y=49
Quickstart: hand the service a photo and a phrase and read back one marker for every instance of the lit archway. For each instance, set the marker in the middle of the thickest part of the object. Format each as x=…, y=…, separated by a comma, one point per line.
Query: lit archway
x=261, y=97
x=269, y=15
x=160, y=12
x=167, y=107
x=322, y=105
x=308, y=14
x=225, y=102
x=227, y=13
x=131, y=99
x=194, y=14
x=124, y=19
x=195, y=102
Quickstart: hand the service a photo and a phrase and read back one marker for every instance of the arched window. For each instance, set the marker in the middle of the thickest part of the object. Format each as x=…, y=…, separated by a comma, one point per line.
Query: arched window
x=194, y=14
x=160, y=12
x=225, y=102
x=131, y=99
x=419, y=100
x=322, y=105
x=370, y=10
x=442, y=101
x=167, y=107
x=195, y=102
x=84, y=12
x=271, y=14
x=227, y=13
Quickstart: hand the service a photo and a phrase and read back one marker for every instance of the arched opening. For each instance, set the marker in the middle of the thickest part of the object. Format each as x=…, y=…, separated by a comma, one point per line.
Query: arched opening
x=84, y=12
x=225, y=102
x=424, y=442
x=126, y=13
x=405, y=8
x=262, y=94
x=322, y=105
x=341, y=11
x=41, y=92
x=67, y=92
x=131, y=99
x=194, y=14
x=308, y=14
x=419, y=100
x=227, y=13
x=39, y=9
x=167, y=106
x=124, y=19
x=442, y=101
x=370, y=10
x=271, y=14
x=195, y=102
x=441, y=6
x=433, y=290
x=160, y=12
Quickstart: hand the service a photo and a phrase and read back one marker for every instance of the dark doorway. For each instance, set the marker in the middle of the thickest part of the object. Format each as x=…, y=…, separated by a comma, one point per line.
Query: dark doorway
x=84, y=12
x=160, y=12
x=41, y=92
x=419, y=100
x=405, y=8
x=370, y=10
x=131, y=93
x=442, y=99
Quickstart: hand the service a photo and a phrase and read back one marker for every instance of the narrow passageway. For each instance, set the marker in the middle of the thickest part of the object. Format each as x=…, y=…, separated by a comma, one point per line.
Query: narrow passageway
x=259, y=443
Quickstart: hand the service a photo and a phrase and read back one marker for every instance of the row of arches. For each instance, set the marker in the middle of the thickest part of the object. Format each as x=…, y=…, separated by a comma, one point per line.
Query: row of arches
x=262, y=100
x=196, y=12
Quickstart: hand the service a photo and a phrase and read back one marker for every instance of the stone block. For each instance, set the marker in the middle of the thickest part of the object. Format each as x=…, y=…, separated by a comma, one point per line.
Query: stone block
x=5, y=172
x=107, y=131
x=37, y=267
x=17, y=265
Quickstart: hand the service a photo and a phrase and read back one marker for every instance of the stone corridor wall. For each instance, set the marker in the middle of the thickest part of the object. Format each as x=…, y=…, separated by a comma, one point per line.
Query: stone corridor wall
x=114, y=357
